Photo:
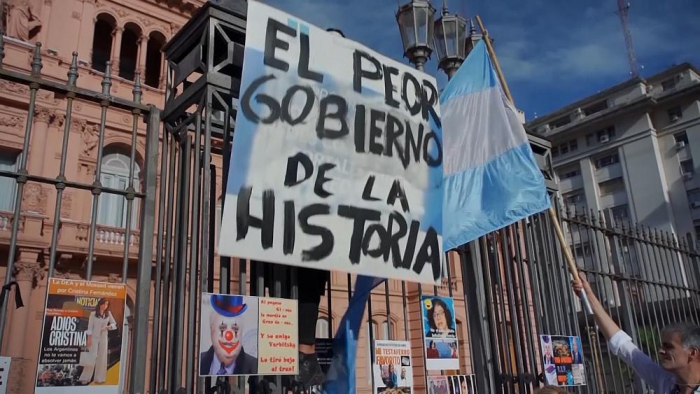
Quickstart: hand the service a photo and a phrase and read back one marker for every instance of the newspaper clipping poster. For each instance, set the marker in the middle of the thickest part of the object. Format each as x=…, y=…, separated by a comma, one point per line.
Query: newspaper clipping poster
x=242, y=335
x=393, y=370
x=82, y=338
x=562, y=357
x=452, y=384
x=440, y=333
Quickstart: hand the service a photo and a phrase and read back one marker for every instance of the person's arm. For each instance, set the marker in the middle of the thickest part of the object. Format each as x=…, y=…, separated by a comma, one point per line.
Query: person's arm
x=112, y=322
x=620, y=343
x=606, y=324
x=91, y=326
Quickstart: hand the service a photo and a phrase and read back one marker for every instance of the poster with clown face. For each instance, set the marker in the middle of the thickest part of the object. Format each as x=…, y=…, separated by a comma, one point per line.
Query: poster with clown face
x=244, y=335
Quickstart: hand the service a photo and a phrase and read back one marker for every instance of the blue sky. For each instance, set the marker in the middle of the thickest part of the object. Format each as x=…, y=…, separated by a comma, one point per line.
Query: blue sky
x=553, y=52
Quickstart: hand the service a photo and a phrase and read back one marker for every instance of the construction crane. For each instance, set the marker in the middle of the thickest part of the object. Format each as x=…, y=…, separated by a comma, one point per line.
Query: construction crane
x=623, y=9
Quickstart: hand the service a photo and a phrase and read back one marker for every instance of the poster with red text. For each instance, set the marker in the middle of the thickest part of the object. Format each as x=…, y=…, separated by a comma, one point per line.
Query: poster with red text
x=82, y=338
x=392, y=368
x=245, y=335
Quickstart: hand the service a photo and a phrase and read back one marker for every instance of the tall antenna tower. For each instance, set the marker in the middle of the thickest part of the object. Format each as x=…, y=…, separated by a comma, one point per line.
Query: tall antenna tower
x=623, y=9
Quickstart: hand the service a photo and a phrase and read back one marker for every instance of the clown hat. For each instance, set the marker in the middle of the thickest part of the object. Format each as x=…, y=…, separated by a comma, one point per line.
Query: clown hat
x=228, y=305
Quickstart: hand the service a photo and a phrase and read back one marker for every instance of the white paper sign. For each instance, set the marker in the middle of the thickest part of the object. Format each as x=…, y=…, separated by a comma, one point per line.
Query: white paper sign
x=4, y=373
x=337, y=156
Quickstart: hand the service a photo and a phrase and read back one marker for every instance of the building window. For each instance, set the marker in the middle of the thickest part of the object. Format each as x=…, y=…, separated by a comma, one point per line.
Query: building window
x=569, y=173
x=595, y=108
x=620, y=213
x=573, y=145
x=560, y=122
x=675, y=114
x=697, y=229
x=608, y=160
x=568, y=146
x=102, y=41
x=8, y=186
x=668, y=84
x=555, y=151
x=687, y=167
x=606, y=134
x=582, y=249
x=115, y=175
x=590, y=139
x=694, y=198
x=153, y=59
x=612, y=186
x=129, y=51
x=573, y=198
x=322, y=327
x=681, y=138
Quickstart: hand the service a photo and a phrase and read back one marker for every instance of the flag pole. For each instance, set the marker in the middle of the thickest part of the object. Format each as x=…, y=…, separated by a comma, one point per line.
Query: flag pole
x=573, y=270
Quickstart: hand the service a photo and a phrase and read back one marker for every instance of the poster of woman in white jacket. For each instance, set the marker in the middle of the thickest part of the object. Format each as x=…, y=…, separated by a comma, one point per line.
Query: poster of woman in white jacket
x=100, y=323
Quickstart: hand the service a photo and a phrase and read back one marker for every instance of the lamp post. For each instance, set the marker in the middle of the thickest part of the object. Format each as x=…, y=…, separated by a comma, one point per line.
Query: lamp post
x=416, y=25
x=450, y=35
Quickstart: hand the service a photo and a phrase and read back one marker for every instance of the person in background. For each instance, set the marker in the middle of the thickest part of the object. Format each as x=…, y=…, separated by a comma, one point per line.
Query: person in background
x=312, y=285
x=440, y=320
x=402, y=381
x=432, y=350
x=100, y=322
x=393, y=379
x=679, y=355
x=576, y=351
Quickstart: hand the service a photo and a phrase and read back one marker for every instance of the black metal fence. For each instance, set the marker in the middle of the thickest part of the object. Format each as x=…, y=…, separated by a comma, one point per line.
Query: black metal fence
x=139, y=191
x=512, y=285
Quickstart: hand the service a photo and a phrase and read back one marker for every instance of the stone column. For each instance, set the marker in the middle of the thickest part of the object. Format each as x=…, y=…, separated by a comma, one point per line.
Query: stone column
x=143, y=50
x=26, y=270
x=116, y=48
x=37, y=150
x=163, y=72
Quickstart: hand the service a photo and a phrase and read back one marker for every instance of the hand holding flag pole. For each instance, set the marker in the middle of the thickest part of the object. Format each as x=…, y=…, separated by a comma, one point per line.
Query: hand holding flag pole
x=552, y=214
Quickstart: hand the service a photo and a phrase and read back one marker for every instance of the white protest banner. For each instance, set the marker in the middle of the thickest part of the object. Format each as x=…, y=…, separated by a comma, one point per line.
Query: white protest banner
x=337, y=156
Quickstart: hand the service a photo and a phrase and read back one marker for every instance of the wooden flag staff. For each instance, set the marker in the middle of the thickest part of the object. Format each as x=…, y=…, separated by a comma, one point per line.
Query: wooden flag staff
x=552, y=214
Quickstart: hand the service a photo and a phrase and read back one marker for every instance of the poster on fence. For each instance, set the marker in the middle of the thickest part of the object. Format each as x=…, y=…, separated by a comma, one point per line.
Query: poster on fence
x=4, y=373
x=82, y=338
x=439, y=333
x=337, y=158
x=452, y=384
x=562, y=357
x=243, y=335
x=392, y=368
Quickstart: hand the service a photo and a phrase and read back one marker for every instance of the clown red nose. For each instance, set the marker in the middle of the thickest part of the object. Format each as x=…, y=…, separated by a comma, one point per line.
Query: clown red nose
x=228, y=335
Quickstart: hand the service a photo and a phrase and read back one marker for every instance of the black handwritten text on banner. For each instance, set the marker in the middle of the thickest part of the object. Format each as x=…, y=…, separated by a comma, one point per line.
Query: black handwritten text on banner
x=337, y=156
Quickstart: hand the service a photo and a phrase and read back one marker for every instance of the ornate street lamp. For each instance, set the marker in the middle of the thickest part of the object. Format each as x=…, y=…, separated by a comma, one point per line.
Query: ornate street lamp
x=450, y=35
x=416, y=22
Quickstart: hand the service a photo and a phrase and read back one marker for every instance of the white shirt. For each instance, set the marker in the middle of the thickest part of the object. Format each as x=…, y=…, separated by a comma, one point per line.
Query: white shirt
x=660, y=380
x=216, y=366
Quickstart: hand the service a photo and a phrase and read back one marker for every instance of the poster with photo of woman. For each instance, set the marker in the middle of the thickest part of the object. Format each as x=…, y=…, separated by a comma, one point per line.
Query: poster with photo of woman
x=82, y=337
x=440, y=333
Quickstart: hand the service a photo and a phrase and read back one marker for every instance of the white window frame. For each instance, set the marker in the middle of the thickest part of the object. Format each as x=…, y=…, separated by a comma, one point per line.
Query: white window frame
x=115, y=174
x=8, y=186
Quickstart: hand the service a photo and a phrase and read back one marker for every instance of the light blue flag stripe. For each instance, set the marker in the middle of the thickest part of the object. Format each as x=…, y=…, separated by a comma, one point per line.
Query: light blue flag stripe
x=341, y=375
x=491, y=178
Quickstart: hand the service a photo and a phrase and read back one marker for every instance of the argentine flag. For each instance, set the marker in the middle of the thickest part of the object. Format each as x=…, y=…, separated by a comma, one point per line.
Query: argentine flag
x=491, y=179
